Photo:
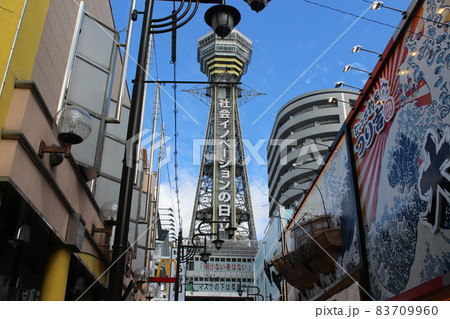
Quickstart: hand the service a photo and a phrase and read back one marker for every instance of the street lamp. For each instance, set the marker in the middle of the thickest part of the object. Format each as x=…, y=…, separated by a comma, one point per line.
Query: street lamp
x=376, y=5
x=349, y=67
x=204, y=256
x=151, y=291
x=182, y=258
x=222, y=19
x=108, y=214
x=229, y=230
x=341, y=84
x=358, y=48
x=217, y=242
x=71, y=125
x=141, y=276
x=334, y=99
x=257, y=5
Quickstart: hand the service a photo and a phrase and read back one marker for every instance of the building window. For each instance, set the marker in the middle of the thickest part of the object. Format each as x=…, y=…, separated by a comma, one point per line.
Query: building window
x=89, y=86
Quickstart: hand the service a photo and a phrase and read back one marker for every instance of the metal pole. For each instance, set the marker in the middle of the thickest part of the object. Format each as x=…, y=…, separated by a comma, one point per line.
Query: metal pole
x=150, y=204
x=177, y=275
x=123, y=74
x=72, y=53
x=158, y=176
x=129, y=165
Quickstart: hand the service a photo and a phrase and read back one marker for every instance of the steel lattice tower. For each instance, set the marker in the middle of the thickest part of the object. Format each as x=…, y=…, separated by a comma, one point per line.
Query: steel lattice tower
x=223, y=192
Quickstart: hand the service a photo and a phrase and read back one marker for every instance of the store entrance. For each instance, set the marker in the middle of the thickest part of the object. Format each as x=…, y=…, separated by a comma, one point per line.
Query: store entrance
x=24, y=239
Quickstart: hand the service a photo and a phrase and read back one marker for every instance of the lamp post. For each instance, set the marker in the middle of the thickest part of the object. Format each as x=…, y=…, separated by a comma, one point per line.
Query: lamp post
x=204, y=256
x=257, y=5
x=376, y=5
x=334, y=99
x=230, y=230
x=341, y=84
x=72, y=125
x=349, y=67
x=358, y=48
x=136, y=109
x=141, y=277
x=181, y=258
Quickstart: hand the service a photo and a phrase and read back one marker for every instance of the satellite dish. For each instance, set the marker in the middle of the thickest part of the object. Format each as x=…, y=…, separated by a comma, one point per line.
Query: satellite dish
x=267, y=271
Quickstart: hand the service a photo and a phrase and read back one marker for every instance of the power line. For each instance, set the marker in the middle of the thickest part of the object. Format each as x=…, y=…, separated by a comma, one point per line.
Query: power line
x=420, y=17
x=175, y=111
x=376, y=21
x=351, y=14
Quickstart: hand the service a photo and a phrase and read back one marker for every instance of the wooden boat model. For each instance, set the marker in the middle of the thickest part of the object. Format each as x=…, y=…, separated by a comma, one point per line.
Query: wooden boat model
x=317, y=246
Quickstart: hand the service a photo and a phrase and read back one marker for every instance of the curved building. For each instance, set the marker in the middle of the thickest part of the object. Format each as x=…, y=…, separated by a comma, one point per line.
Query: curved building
x=304, y=129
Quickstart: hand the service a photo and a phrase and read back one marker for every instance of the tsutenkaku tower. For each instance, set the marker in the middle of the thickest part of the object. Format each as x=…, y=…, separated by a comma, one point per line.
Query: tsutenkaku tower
x=223, y=191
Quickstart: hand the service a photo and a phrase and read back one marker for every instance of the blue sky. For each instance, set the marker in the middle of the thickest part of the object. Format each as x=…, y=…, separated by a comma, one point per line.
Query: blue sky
x=298, y=46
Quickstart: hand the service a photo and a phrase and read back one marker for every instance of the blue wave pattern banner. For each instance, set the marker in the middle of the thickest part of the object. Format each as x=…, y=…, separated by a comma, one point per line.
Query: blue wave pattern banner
x=404, y=174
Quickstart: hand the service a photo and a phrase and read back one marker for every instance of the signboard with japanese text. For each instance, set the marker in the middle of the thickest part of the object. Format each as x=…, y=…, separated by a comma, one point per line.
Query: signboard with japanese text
x=228, y=287
x=226, y=266
x=224, y=157
x=401, y=146
x=221, y=275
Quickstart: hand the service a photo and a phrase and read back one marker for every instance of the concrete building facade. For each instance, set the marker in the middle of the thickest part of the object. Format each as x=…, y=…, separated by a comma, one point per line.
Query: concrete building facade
x=55, y=243
x=303, y=132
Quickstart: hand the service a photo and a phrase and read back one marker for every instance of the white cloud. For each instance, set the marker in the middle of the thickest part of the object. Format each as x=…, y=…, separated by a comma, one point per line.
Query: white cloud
x=187, y=185
x=359, y=66
x=187, y=188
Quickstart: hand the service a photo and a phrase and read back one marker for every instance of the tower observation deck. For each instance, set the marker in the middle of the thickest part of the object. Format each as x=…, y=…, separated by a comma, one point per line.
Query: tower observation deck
x=223, y=193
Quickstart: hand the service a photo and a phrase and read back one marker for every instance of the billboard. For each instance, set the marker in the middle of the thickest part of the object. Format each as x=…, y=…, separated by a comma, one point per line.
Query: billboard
x=329, y=208
x=401, y=145
x=222, y=274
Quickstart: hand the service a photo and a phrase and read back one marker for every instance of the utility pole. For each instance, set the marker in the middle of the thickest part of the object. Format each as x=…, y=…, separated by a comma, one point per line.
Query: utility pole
x=120, y=246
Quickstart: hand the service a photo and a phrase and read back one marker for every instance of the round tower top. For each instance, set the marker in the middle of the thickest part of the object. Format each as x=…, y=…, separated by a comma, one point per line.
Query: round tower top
x=227, y=50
